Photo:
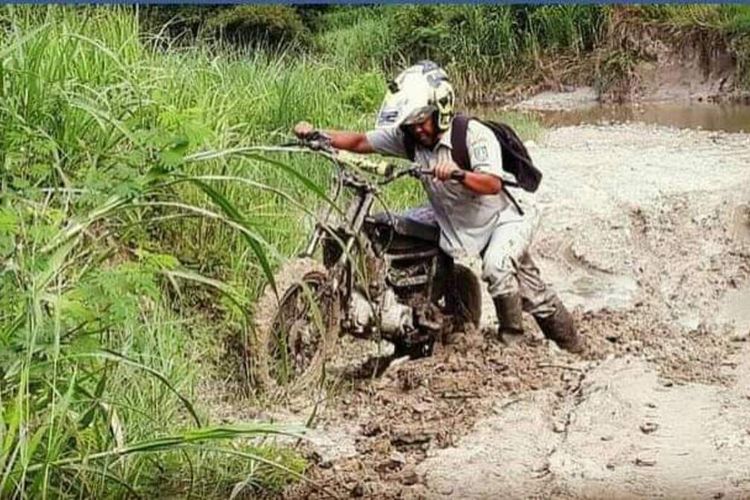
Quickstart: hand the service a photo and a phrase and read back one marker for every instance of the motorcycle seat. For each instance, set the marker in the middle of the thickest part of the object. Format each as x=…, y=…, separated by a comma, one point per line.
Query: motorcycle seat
x=425, y=229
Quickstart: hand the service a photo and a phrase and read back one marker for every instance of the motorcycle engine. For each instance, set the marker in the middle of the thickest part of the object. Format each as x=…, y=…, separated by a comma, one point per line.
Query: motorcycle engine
x=395, y=317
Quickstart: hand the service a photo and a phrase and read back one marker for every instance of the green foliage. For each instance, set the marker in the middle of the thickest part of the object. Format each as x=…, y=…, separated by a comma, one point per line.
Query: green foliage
x=136, y=225
x=100, y=136
x=489, y=46
x=364, y=93
x=616, y=73
x=365, y=42
x=564, y=28
x=480, y=44
x=260, y=25
x=727, y=17
x=737, y=19
x=253, y=26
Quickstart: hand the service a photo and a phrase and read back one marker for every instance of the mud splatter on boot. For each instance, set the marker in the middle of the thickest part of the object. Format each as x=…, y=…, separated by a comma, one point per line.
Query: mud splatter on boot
x=510, y=321
x=560, y=328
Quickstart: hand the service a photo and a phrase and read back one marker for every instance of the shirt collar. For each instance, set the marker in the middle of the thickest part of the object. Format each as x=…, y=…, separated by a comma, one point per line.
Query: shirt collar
x=445, y=140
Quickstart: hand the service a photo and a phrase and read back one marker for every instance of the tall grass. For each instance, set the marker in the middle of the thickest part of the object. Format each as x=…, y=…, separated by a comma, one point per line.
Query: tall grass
x=102, y=180
x=487, y=48
x=492, y=49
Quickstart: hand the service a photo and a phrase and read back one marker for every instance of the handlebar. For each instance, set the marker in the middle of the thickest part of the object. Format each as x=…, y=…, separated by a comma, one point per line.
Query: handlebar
x=318, y=141
x=382, y=168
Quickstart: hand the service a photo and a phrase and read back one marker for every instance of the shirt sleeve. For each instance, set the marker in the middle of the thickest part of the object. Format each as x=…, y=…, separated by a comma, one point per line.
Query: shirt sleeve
x=387, y=141
x=485, y=153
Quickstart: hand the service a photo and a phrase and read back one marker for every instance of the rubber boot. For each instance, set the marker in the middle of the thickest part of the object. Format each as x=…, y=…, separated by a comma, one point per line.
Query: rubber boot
x=510, y=321
x=560, y=328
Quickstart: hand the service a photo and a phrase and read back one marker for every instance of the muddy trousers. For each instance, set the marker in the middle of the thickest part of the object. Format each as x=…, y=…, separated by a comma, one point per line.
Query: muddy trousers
x=510, y=272
x=508, y=269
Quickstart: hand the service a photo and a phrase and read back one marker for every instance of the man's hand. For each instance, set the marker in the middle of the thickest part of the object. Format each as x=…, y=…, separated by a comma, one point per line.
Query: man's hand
x=443, y=171
x=303, y=129
x=356, y=142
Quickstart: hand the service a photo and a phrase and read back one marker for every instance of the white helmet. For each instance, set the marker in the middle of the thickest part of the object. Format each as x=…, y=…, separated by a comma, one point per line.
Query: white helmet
x=415, y=94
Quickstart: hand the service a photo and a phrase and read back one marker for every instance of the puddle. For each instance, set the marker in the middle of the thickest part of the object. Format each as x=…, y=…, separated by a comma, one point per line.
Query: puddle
x=600, y=291
x=735, y=308
x=588, y=289
x=691, y=115
x=724, y=117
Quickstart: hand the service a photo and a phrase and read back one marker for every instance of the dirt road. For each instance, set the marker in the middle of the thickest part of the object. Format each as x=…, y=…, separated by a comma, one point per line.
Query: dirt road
x=646, y=234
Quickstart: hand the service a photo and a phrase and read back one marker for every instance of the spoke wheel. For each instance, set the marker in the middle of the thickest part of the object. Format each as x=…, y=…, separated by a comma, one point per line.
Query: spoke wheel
x=294, y=335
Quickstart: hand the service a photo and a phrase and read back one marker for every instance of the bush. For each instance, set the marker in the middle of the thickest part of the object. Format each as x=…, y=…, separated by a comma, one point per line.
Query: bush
x=358, y=39
x=260, y=25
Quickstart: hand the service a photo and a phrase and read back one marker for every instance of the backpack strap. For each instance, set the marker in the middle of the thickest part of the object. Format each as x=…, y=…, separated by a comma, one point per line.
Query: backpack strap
x=460, y=152
x=410, y=146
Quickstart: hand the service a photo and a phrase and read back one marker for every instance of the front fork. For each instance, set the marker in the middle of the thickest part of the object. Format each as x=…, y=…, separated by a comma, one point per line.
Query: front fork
x=342, y=271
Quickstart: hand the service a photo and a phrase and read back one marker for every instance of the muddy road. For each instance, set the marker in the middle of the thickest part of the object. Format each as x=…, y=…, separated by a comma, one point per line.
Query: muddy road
x=645, y=232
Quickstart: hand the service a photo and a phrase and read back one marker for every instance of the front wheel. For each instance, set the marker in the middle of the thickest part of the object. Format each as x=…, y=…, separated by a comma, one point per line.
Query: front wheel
x=294, y=333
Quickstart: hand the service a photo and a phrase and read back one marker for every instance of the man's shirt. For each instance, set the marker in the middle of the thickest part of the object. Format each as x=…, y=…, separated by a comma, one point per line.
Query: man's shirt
x=466, y=219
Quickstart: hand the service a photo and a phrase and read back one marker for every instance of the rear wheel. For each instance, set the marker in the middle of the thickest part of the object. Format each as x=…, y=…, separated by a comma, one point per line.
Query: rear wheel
x=294, y=333
x=464, y=296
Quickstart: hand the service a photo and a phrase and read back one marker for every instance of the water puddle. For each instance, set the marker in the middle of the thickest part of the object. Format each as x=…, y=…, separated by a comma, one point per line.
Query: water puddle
x=588, y=289
x=705, y=116
x=600, y=291
x=685, y=115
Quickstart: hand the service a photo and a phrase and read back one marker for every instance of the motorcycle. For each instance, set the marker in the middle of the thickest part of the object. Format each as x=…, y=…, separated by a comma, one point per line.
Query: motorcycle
x=376, y=276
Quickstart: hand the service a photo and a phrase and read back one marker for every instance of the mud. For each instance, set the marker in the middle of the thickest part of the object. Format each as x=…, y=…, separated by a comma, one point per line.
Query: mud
x=624, y=434
x=735, y=309
x=645, y=234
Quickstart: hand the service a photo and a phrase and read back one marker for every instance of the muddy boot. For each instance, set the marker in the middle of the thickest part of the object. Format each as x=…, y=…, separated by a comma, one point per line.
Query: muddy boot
x=510, y=322
x=560, y=328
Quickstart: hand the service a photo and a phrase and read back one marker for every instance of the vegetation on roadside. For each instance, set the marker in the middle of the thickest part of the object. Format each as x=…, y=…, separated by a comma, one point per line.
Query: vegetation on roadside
x=112, y=154
x=496, y=49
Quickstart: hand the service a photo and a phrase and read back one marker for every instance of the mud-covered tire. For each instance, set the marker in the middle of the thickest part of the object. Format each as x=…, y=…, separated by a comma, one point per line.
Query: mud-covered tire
x=275, y=361
x=464, y=296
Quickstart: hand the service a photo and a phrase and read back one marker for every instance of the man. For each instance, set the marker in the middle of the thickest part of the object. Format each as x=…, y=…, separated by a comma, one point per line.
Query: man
x=473, y=211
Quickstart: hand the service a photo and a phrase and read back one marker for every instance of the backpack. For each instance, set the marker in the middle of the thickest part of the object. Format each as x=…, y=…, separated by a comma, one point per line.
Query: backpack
x=516, y=159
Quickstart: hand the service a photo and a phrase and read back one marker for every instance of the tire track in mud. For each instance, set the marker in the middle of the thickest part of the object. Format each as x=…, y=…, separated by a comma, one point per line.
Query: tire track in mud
x=671, y=289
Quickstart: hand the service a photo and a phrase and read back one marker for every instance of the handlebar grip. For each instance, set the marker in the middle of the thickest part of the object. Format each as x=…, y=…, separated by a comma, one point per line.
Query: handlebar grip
x=458, y=175
x=380, y=168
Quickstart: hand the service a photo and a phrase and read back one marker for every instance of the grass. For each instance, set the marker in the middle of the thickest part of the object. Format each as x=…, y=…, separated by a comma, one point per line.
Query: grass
x=487, y=48
x=491, y=49
x=112, y=153
x=104, y=325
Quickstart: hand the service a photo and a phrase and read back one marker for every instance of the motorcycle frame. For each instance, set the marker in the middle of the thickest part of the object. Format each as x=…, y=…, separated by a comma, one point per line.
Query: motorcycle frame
x=341, y=272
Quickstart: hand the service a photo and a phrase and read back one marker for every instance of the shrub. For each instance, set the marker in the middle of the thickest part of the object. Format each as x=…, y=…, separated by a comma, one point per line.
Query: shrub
x=260, y=25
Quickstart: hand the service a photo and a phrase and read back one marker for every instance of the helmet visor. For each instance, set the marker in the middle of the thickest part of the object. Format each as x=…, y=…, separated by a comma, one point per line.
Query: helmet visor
x=419, y=115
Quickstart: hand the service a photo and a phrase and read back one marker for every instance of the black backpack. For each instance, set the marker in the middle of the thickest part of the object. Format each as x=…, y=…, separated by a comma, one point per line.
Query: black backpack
x=516, y=159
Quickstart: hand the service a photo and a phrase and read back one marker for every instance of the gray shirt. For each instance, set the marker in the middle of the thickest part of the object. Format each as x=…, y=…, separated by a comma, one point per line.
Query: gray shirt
x=466, y=219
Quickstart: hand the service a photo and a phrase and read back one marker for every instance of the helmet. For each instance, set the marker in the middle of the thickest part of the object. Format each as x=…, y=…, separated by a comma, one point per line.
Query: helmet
x=418, y=92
